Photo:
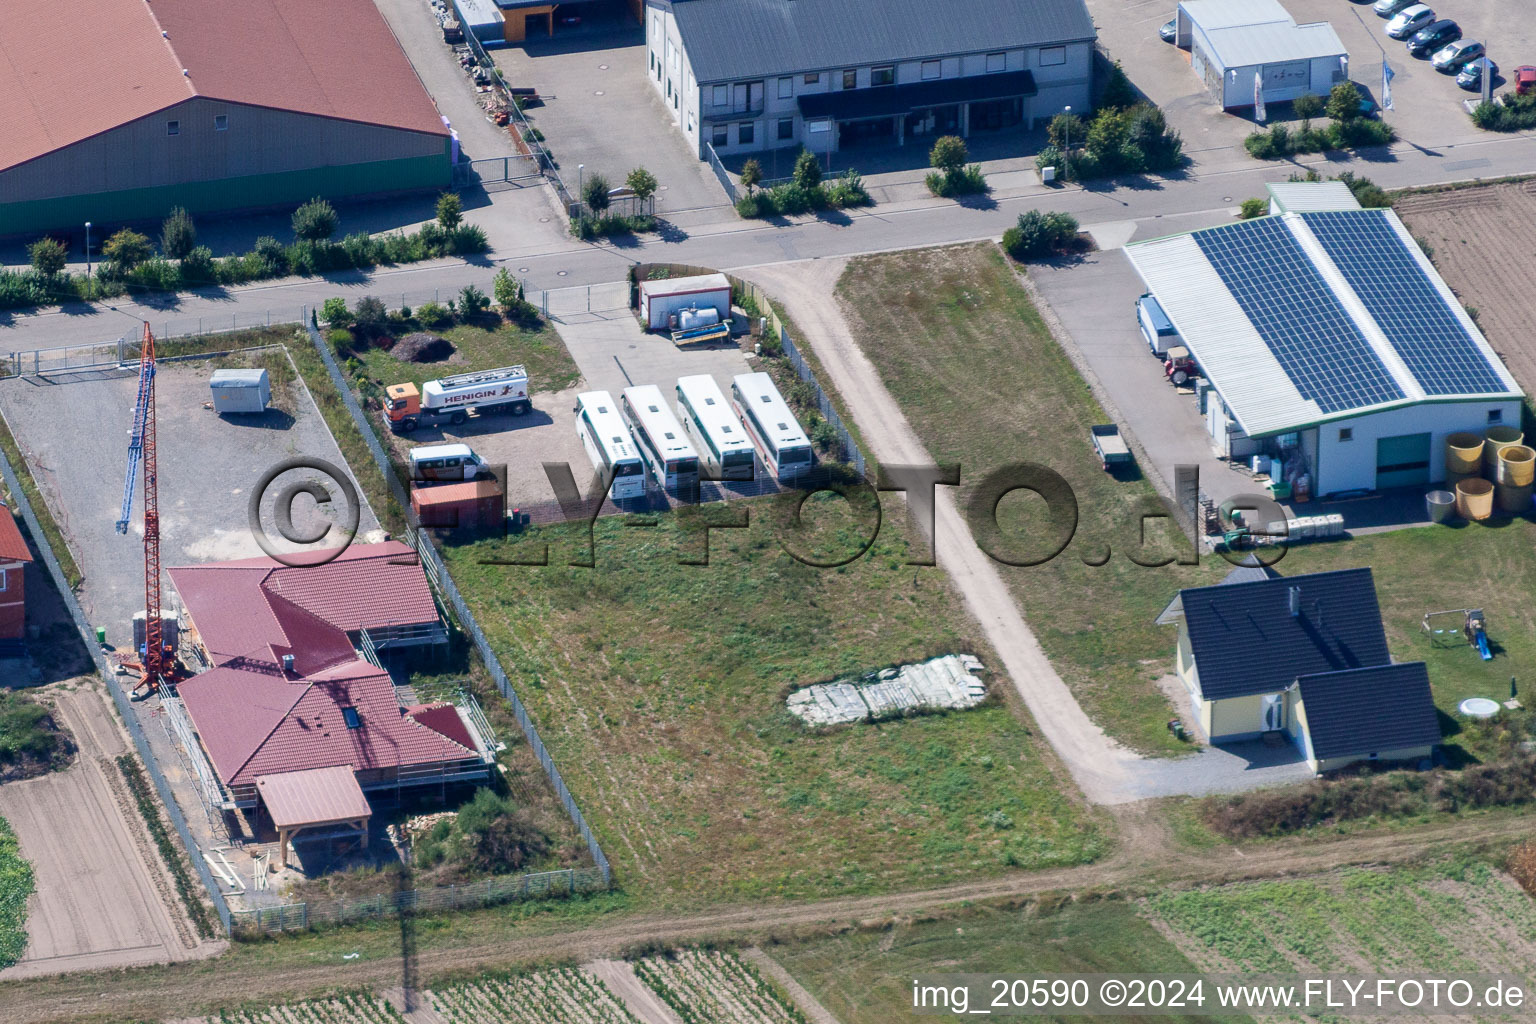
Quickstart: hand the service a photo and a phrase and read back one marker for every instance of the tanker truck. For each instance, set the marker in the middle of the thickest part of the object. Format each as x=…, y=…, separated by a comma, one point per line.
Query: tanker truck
x=454, y=399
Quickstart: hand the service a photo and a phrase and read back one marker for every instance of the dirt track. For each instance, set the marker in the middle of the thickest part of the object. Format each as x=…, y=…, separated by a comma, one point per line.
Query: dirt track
x=1482, y=247
x=102, y=896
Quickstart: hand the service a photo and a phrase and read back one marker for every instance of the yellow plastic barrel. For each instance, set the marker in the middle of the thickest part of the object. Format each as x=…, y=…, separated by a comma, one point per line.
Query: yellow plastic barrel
x=1517, y=466
x=1513, y=498
x=1496, y=440
x=1463, y=455
x=1474, y=498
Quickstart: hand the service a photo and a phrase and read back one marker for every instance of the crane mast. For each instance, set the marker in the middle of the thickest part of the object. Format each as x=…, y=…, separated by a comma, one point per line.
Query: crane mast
x=141, y=449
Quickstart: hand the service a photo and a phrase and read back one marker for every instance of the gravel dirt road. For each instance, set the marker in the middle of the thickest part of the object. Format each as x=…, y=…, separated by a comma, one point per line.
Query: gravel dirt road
x=103, y=898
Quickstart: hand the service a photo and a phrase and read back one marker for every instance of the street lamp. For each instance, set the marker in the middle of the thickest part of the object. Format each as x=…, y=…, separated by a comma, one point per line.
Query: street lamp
x=580, y=173
x=87, y=248
x=1066, y=145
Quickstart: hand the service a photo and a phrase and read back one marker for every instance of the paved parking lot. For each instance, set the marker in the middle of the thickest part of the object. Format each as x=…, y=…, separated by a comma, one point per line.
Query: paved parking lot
x=599, y=109
x=1428, y=111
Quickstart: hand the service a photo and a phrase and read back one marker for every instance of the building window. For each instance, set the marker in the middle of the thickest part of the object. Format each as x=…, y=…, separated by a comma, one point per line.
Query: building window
x=850, y=79
x=786, y=128
x=746, y=133
x=220, y=122
x=1052, y=55
x=721, y=136
x=1346, y=433
x=5, y=582
x=1495, y=415
x=349, y=715
x=931, y=69
x=883, y=76
x=812, y=78
x=173, y=127
x=690, y=124
x=786, y=88
x=653, y=60
x=997, y=61
x=722, y=95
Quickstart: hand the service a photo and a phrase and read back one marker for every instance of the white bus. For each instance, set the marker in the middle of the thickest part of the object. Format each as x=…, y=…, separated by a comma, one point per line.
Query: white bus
x=774, y=430
x=606, y=438
x=661, y=439
x=717, y=433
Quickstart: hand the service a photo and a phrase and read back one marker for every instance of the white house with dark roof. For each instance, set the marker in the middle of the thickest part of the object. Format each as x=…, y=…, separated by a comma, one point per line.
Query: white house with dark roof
x=748, y=75
x=1328, y=340
x=1305, y=657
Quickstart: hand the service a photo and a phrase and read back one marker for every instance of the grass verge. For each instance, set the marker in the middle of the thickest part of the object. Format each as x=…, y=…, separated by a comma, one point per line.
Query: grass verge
x=15, y=890
x=659, y=689
x=186, y=888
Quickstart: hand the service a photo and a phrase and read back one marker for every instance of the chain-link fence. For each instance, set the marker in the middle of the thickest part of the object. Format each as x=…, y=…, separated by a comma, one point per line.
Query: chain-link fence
x=486, y=892
x=434, y=566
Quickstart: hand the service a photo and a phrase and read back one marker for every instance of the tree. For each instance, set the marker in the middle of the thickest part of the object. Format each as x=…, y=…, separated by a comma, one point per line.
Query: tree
x=595, y=193
x=48, y=256
x=1108, y=133
x=1063, y=129
x=505, y=290
x=1307, y=106
x=178, y=235
x=334, y=312
x=315, y=221
x=450, y=210
x=1344, y=101
x=807, y=172
x=370, y=315
x=949, y=154
x=1118, y=90
x=272, y=254
x=642, y=183
x=473, y=301
x=751, y=174
x=125, y=250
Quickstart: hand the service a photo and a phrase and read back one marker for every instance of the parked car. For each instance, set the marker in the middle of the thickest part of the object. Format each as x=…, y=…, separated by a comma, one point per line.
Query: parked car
x=1387, y=8
x=1471, y=76
x=1409, y=20
x=1455, y=56
x=1525, y=79
x=1169, y=32
x=1427, y=40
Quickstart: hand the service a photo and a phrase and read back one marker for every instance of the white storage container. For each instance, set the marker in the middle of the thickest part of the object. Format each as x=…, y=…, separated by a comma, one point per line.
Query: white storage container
x=1335, y=524
x=240, y=391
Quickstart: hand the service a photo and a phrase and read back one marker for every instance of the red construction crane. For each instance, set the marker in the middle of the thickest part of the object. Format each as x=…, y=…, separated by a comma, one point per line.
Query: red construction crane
x=141, y=448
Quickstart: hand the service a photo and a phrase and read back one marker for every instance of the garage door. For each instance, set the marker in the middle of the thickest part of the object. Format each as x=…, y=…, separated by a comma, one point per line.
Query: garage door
x=1402, y=461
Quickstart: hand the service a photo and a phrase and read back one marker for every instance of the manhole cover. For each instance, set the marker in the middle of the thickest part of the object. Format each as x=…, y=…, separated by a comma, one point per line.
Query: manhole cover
x=1226, y=199
x=598, y=92
x=522, y=270
x=602, y=67
x=543, y=220
x=561, y=273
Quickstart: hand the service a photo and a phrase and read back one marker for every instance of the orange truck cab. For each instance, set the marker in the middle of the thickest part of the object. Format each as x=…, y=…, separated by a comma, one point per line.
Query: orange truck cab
x=401, y=401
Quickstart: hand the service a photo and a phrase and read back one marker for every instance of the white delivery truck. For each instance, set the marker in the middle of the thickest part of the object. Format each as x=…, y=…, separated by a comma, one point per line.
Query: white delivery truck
x=452, y=399
x=446, y=462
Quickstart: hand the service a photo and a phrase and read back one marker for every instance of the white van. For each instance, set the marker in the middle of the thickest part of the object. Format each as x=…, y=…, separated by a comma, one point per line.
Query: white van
x=446, y=462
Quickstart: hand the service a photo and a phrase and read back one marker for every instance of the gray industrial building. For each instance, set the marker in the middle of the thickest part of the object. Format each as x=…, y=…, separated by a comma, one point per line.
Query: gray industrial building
x=745, y=75
x=210, y=107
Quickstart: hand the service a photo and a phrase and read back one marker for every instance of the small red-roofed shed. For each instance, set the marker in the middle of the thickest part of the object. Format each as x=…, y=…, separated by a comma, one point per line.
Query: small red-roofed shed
x=14, y=558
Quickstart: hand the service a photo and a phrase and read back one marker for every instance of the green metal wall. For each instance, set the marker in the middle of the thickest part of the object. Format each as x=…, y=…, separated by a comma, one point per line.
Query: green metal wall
x=255, y=191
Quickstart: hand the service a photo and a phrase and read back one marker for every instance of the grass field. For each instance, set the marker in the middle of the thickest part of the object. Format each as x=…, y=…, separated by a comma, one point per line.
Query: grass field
x=964, y=351
x=15, y=888
x=659, y=690
x=865, y=977
x=480, y=347
x=1452, y=917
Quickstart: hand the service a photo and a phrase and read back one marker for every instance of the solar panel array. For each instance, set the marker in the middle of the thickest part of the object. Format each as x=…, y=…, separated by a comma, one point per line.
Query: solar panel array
x=1403, y=300
x=1325, y=355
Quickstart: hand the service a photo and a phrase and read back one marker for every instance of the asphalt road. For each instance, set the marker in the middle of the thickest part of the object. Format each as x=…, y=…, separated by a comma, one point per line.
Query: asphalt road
x=1208, y=189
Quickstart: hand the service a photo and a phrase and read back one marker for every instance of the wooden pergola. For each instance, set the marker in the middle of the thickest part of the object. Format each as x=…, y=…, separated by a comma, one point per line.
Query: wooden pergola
x=313, y=798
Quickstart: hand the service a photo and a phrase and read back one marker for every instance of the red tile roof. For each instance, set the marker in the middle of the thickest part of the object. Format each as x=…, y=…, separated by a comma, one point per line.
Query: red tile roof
x=443, y=718
x=13, y=546
x=255, y=719
x=332, y=58
x=316, y=796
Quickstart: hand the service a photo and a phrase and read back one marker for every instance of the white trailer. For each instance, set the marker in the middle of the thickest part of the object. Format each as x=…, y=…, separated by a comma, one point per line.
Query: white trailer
x=452, y=399
x=661, y=300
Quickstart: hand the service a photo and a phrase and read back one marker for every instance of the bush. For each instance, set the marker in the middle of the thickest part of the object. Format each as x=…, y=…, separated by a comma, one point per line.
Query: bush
x=847, y=191
x=1367, y=192
x=1254, y=208
x=1039, y=234
x=450, y=210
x=197, y=266
x=433, y=315
x=125, y=250
x=271, y=256
x=595, y=193
x=369, y=316
x=154, y=274
x=315, y=221
x=334, y=311
x=48, y=256
x=749, y=206
x=751, y=174
x=1344, y=102
x=1050, y=156
x=472, y=302
x=807, y=172
x=1358, y=132
x=178, y=235
x=340, y=339
x=1064, y=128
x=1308, y=106
x=964, y=182
x=467, y=239
x=1118, y=92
